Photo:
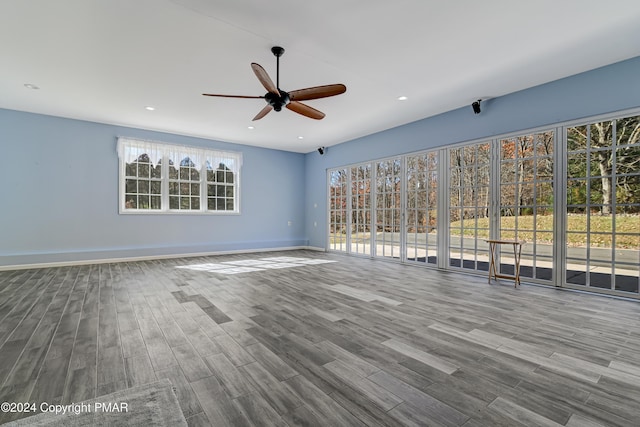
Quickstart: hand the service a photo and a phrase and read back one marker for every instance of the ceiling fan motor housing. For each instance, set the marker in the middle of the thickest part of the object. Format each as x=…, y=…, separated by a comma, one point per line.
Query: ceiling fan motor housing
x=277, y=102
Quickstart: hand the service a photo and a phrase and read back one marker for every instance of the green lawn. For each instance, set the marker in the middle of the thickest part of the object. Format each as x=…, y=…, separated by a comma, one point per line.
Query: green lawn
x=577, y=225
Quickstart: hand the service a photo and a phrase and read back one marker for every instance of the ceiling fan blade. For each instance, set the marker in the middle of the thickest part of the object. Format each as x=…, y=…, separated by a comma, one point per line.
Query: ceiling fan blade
x=264, y=78
x=233, y=96
x=263, y=112
x=305, y=110
x=317, y=92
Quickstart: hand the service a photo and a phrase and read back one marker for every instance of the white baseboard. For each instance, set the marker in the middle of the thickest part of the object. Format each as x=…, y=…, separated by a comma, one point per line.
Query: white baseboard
x=152, y=257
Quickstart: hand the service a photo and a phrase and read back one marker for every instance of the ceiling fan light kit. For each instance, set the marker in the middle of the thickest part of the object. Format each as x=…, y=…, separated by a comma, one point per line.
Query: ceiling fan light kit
x=276, y=98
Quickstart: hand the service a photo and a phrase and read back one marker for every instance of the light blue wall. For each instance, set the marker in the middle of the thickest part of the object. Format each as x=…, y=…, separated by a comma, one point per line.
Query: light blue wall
x=59, y=197
x=612, y=88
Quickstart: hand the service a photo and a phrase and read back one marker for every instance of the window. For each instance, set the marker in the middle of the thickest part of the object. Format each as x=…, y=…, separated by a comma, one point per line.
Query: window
x=526, y=201
x=388, y=208
x=158, y=178
x=602, y=224
x=360, y=235
x=368, y=214
x=571, y=191
x=338, y=209
x=421, y=205
x=469, y=201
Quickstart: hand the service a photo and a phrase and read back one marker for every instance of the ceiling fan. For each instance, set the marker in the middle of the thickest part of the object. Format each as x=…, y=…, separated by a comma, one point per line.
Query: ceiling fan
x=276, y=98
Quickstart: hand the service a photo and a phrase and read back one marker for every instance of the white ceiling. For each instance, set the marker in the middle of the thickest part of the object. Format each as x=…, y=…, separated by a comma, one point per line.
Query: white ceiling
x=105, y=60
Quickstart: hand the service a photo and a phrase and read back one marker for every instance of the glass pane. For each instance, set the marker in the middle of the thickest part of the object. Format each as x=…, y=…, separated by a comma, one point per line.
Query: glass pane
x=600, y=223
x=576, y=273
x=601, y=162
x=628, y=130
x=156, y=202
x=626, y=280
x=577, y=138
x=211, y=204
x=144, y=170
x=600, y=193
x=577, y=165
x=526, y=194
x=544, y=194
x=544, y=169
x=143, y=202
x=174, y=202
x=600, y=278
x=577, y=192
x=184, y=173
x=508, y=149
x=600, y=252
x=507, y=172
x=546, y=239
x=508, y=194
x=131, y=186
x=156, y=172
x=156, y=187
x=230, y=206
x=143, y=187
x=601, y=134
x=174, y=188
x=131, y=169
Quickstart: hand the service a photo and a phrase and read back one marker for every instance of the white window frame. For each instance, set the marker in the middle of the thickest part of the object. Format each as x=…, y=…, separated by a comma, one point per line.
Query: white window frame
x=164, y=152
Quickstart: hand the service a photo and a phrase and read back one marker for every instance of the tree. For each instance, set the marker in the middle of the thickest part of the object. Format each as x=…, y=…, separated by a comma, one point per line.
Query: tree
x=605, y=154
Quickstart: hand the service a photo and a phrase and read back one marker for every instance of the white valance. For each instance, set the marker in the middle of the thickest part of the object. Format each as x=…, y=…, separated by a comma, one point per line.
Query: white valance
x=179, y=155
x=131, y=150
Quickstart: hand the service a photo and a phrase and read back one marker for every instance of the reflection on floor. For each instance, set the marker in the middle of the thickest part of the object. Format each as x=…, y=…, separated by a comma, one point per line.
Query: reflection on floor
x=249, y=265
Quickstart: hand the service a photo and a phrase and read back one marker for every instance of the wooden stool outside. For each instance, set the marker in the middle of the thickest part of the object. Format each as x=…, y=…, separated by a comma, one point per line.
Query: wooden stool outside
x=517, y=250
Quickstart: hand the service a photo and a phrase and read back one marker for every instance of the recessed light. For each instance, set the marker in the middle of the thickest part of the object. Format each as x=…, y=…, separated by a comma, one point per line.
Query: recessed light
x=31, y=86
x=149, y=108
x=402, y=98
x=301, y=137
x=250, y=127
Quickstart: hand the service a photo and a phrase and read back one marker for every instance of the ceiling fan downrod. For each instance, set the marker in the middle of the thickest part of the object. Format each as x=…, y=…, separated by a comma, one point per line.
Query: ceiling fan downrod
x=277, y=102
x=278, y=52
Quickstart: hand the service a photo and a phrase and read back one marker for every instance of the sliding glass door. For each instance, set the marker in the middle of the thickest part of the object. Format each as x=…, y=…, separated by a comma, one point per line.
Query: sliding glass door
x=603, y=205
x=388, y=208
x=572, y=193
x=526, y=202
x=360, y=212
x=469, y=198
x=421, y=208
x=338, y=197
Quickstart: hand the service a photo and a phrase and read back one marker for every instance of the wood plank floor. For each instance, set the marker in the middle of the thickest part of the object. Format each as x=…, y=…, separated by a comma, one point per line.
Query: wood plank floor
x=311, y=338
